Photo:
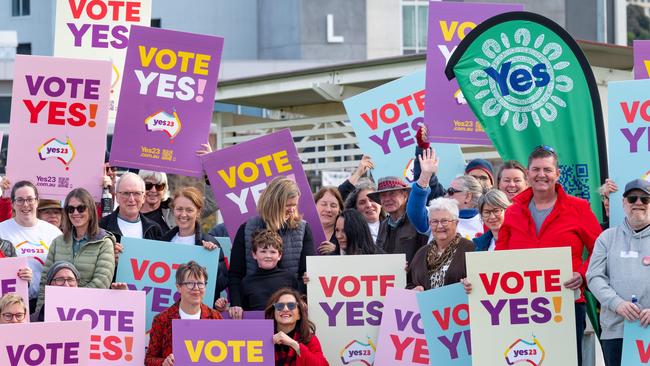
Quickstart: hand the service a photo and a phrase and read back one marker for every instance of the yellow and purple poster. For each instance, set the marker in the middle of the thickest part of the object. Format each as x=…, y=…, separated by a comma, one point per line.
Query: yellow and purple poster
x=346, y=301
x=59, y=112
x=446, y=112
x=166, y=100
x=521, y=313
x=641, y=59
x=117, y=336
x=99, y=30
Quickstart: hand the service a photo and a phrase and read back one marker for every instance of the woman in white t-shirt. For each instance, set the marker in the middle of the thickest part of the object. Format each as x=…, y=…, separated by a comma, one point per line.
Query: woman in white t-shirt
x=30, y=236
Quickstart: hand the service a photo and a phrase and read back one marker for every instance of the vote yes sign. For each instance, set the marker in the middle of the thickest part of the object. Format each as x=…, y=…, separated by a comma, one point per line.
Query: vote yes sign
x=447, y=115
x=59, y=112
x=225, y=342
x=45, y=344
x=239, y=173
x=150, y=266
x=401, y=335
x=636, y=344
x=166, y=100
x=9, y=280
x=520, y=310
x=629, y=137
x=116, y=320
x=99, y=30
x=346, y=301
x=445, y=317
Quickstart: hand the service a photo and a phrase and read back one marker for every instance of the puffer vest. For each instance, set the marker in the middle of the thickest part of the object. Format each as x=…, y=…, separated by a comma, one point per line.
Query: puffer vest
x=291, y=245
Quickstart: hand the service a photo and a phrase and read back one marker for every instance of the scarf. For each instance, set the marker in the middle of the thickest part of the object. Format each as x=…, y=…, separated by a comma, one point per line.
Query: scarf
x=436, y=262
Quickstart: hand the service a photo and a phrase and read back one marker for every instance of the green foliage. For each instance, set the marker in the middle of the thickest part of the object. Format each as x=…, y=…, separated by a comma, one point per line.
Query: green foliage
x=638, y=24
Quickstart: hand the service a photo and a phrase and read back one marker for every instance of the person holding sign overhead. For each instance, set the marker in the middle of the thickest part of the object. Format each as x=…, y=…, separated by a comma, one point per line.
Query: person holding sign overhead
x=83, y=244
x=190, y=283
x=295, y=341
x=277, y=210
x=619, y=270
x=372, y=212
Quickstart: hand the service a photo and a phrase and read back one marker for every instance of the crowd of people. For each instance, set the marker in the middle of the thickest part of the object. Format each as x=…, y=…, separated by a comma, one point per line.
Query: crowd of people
x=516, y=208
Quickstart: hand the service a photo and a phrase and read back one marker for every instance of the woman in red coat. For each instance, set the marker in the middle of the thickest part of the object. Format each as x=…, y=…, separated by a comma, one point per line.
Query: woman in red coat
x=295, y=341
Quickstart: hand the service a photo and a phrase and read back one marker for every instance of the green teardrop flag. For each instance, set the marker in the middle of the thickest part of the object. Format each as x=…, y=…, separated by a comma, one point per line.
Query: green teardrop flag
x=529, y=84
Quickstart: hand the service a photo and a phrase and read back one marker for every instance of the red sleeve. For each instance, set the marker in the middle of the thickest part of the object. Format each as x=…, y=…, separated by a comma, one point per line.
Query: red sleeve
x=154, y=356
x=2, y=255
x=5, y=208
x=589, y=230
x=311, y=354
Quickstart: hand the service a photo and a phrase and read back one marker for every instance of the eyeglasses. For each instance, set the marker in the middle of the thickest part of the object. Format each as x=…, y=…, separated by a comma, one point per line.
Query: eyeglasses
x=71, y=209
x=452, y=191
x=444, y=222
x=496, y=212
x=193, y=285
x=633, y=199
x=133, y=194
x=60, y=281
x=279, y=306
x=21, y=201
x=8, y=316
x=159, y=186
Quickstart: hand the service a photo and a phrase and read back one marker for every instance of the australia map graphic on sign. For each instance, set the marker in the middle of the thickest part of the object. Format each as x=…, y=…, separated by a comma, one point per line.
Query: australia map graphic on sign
x=165, y=122
x=527, y=353
x=56, y=149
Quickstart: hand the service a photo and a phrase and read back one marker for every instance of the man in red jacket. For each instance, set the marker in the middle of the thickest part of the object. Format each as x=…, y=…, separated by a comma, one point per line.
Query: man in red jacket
x=545, y=216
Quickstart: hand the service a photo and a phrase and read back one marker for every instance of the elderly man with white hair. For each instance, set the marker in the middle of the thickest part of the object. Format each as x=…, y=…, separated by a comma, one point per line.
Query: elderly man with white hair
x=619, y=270
x=127, y=220
x=442, y=261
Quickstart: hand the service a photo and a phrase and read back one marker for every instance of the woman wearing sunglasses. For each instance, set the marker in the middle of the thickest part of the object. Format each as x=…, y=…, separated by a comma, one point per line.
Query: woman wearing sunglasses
x=295, y=341
x=157, y=204
x=83, y=244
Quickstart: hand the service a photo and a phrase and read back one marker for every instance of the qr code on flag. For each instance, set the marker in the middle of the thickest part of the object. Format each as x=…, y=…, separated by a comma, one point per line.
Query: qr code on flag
x=575, y=180
x=64, y=182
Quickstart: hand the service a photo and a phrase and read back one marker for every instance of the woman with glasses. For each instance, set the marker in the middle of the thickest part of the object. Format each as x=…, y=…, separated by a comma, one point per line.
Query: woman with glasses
x=62, y=274
x=12, y=309
x=187, y=205
x=83, y=243
x=157, y=204
x=464, y=189
x=190, y=284
x=295, y=341
x=30, y=236
x=492, y=207
x=442, y=261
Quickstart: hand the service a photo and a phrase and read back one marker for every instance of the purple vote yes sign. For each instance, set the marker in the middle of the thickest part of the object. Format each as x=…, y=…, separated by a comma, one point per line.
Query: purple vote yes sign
x=226, y=342
x=239, y=173
x=166, y=100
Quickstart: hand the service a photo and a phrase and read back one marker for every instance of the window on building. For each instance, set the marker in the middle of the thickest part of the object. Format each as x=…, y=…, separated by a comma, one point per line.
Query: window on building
x=24, y=49
x=415, y=15
x=19, y=8
x=5, y=109
x=155, y=23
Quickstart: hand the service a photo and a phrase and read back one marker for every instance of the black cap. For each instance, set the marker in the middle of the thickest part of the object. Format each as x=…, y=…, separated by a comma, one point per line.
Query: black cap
x=641, y=184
